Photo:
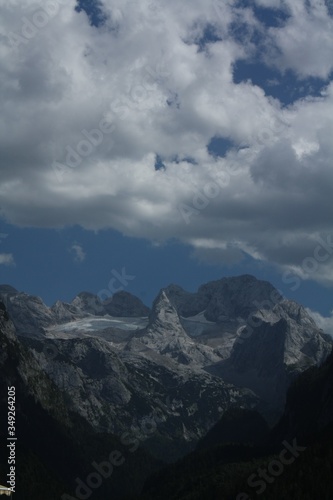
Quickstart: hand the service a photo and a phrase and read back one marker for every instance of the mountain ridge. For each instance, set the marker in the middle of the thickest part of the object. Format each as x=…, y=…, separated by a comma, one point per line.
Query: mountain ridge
x=236, y=339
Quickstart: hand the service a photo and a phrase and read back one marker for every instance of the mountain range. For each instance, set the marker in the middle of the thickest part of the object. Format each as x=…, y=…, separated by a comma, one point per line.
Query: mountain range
x=164, y=376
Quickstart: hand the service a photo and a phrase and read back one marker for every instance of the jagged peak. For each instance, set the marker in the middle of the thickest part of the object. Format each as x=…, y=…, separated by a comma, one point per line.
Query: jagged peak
x=174, y=288
x=163, y=302
x=123, y=303
x=295, y=311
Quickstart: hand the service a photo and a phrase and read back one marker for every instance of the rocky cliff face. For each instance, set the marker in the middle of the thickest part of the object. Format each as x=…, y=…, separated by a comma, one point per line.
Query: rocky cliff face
x=235, y=341
x=166, y=335
x=55, y=445
x=309, y=405
x=32, y=317
x=272, y=349
x=117, y=390
x=19, y=367
x=222, y=299
x=124, y=304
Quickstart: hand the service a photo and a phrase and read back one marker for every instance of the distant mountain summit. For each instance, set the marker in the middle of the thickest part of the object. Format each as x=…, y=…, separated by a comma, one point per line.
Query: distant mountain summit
x=32, y=317
x=285, y=342
x=234, y=342
x=124, y=304
x=226, y=298
x=166, y=335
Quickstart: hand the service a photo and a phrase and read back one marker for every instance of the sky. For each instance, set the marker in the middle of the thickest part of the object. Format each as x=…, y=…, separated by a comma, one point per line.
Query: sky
x=156, y=142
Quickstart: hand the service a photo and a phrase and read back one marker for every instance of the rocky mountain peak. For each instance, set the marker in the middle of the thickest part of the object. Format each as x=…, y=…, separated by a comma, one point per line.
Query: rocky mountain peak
x=29, y=313
x=163, y=312
x=225, y=298
x=88, y=303
x=275, y=345
x=239, y=329
x=294, y=311
x=165, y=335
x=125, y=304
x=237, y=296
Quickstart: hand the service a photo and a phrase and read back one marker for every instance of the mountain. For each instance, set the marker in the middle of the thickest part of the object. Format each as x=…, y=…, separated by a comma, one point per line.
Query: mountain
x=32, y=317
x=118, y=389
x=237, y=425
x=175, y=369
x=293, y=460
x=284, y=342
x=165, y=334
x=309, y=404
x=124, y=304
x=54, y=444
x=227, y=298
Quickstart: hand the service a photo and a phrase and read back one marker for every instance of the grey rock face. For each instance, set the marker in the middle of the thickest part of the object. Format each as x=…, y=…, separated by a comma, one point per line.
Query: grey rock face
x=166, y=335
x=284, y=342
x=18, y=366
x=88, y=303
x=120, y=390
x=29, y=314
x=236, y=297
x=225, y=298
x=234, y=341
x=63, y=313
x=32, y=317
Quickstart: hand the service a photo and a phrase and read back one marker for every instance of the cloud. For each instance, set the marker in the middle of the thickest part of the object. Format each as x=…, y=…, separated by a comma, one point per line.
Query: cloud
x=85, y=113
x=325, y=323
x=79, y=254
x=305, y=42
x=7, y=259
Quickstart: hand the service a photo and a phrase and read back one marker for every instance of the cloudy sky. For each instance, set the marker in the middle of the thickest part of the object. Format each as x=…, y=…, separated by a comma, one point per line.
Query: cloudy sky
x=166, y=141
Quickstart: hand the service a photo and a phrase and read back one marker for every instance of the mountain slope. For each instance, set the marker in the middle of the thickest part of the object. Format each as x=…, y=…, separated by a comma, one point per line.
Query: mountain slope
x=232, y=297
x=166, y=335
x=234, y=342
x=115, y=390
x=284, y=342
x=303, y=471
x=32, y=317
x=54, y=444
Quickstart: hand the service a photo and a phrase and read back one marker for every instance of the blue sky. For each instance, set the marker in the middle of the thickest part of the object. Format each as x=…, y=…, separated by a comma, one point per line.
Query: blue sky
x=47, y=265
x=180, y=143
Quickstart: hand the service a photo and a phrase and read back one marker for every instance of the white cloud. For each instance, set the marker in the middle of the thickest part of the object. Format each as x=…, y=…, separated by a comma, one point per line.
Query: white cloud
x=160, y=94
x=7, y=259
x=305, y=43
x=325, y=323
x=79, y=254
